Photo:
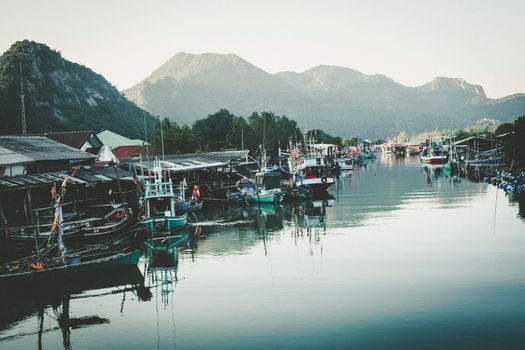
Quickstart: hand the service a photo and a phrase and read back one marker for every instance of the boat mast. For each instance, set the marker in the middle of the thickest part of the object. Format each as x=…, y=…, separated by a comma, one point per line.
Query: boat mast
x=161, y=138
x=24, y=130
x=146, y=137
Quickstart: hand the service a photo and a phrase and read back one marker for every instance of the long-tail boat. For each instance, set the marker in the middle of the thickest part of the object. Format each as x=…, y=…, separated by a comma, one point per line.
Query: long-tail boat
x=55, y=263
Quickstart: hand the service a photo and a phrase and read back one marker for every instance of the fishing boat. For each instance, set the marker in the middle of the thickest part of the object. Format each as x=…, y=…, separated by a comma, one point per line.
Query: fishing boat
x=99, y=224
x=30, y=274
x=431, y=155
x=116, y=220
x=160, y=204
x=192, y=204
x=265, y=189
x=345, y=164
x=310, y=171
x=55, y=262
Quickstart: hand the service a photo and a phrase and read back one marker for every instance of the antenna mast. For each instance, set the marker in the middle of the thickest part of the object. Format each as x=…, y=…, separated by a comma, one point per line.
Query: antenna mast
x=161, y=137
x=146, y=136
x=24, y=129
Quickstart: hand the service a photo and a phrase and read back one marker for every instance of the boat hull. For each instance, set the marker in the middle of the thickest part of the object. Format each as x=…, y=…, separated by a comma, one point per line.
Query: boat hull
x=166, y=223
x=264, y=198
x=317, y=185
x=54, y=276
x=434, y=159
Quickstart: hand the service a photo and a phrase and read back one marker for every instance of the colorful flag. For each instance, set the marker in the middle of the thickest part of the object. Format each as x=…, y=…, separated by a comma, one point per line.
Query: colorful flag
x=54, y=190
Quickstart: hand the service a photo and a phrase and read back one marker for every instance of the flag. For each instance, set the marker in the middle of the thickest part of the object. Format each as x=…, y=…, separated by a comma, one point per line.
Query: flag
x=54, y=190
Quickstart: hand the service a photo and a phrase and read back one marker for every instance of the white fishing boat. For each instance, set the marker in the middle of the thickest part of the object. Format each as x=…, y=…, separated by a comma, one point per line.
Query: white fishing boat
x=311, y=172
x=345, y=164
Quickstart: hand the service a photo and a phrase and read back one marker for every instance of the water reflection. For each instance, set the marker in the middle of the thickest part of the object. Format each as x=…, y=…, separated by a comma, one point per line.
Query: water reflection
x=56, y=306
x=330, y=273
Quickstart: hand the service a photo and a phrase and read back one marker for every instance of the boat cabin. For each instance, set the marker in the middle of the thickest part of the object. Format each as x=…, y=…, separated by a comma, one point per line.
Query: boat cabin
x=269, y=180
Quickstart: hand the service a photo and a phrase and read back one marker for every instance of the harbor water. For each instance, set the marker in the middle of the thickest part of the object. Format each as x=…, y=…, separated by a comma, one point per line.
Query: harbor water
x=398, y=256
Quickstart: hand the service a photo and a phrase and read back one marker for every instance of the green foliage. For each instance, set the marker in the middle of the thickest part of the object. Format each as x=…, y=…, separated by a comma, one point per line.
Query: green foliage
x=224, y=130
x=353, y=141
x=504, y=128
x=217, y=131
x=323, y=137
x=61, y=95
x=270, y=131
x=177, y=139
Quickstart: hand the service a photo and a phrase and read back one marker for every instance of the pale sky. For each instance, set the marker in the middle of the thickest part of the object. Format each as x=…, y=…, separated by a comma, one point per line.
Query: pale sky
x=410, y=41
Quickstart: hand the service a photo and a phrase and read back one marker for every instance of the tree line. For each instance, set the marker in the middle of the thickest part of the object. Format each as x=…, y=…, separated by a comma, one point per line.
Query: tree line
x=513, y=135
x=224, y=130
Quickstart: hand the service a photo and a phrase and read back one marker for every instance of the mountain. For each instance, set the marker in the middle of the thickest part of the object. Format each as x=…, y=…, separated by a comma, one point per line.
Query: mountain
x=61, y=95
x=338, y=100
x=189, y=87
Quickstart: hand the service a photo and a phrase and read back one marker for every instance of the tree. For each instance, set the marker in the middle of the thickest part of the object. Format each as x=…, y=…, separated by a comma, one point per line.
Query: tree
x=177, y=139
x=271, y=130
x=166, y=124
x=220, y=130
x=504, y=128
x=514, y=143
x=353, y=141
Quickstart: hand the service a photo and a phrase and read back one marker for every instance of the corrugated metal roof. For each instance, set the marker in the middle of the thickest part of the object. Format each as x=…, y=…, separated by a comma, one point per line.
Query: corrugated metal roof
x=195, y=161
x=114, y=140
x=75, y=139
x=84, y=176
x=8, y=157
x=10, y=182
x=40, y=148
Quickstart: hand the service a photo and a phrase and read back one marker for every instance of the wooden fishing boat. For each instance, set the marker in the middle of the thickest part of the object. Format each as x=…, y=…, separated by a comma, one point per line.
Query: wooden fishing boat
x=160, y=204
x=97, y=227
x=27, y=274
x=113, y=222
x=266, y=189
x=55, y=263
x=192, y=204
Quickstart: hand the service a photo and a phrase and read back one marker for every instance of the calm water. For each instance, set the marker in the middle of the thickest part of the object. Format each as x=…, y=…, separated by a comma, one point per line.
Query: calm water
x=402, y=257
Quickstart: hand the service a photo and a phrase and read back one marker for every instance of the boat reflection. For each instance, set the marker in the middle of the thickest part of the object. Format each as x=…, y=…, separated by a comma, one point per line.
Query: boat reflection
x=163, y=260
x=61, y=300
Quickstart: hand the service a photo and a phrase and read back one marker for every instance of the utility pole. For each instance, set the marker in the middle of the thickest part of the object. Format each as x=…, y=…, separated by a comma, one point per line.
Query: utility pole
x=24, y=129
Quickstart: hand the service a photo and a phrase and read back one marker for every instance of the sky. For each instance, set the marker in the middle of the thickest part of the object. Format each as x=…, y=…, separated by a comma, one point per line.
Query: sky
x=412, y=42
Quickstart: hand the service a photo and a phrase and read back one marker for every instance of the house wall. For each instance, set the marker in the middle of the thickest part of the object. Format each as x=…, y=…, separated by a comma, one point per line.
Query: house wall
x=86, y=145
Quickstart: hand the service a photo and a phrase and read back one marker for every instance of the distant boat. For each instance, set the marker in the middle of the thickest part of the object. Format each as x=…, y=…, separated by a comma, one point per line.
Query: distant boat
x=160, y=204
x=345, y=164
x=434, y=156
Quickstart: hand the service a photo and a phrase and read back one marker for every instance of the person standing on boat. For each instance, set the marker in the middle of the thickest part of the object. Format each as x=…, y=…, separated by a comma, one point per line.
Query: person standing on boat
x=196, y=193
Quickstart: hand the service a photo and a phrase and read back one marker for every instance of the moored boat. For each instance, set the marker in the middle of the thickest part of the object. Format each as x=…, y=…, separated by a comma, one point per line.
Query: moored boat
x=311, y=172
x=434, y=156
x=345, y=164
x=159, y=201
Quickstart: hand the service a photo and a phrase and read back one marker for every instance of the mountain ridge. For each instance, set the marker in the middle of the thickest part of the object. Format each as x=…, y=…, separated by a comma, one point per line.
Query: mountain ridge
x=61, y=95
x=341, y=100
